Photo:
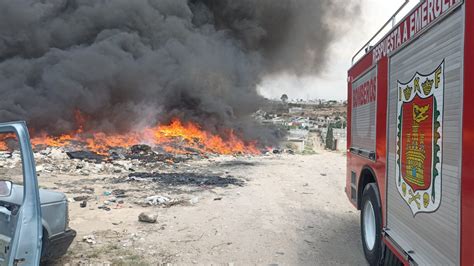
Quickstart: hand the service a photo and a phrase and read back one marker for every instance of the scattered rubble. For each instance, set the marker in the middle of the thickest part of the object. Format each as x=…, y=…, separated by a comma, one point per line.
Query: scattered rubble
x=90, y=239
x=131, y=177
x=194, y=200
x=81, y=198
x=236, y=163
x=157, y=200
x=5, y=155
x=54, y=153
x=190, y=179
x=86, y=155
x=119, y=193
x=104, y=207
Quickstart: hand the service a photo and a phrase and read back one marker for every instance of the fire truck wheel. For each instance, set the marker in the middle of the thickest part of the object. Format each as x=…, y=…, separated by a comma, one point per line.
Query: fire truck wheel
x=371, y=224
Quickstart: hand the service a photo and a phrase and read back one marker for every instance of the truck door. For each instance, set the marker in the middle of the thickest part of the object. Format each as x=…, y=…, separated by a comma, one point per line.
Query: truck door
x=20, y=225
x=424, y=143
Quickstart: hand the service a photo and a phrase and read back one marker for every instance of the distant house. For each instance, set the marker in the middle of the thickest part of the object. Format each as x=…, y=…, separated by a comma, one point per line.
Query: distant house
x=296, y=110
x=298, y=137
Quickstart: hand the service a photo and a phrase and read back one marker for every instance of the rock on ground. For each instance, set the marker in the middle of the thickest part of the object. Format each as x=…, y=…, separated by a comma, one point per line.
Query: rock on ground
x=147, y=217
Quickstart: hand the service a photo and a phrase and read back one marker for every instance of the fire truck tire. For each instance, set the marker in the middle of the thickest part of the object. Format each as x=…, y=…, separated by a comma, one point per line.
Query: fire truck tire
x=371, y=224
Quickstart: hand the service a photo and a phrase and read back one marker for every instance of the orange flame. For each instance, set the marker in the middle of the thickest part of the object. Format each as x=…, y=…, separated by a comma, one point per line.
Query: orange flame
x=3, y=146
x=177, y=137
x=3, y=140
x=202, y=141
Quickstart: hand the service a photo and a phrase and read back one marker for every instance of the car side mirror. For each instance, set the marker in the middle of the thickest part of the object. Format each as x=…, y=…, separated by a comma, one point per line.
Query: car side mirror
x=5, y=188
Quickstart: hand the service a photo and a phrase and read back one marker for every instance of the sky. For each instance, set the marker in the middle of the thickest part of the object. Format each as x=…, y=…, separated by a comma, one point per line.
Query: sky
x=331, y=84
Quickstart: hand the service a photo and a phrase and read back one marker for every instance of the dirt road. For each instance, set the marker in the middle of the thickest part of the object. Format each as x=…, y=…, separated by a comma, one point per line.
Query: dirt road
x=291, y=211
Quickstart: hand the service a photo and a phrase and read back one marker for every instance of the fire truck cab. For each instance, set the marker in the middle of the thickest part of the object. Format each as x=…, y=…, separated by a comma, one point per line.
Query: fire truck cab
x=410, y=148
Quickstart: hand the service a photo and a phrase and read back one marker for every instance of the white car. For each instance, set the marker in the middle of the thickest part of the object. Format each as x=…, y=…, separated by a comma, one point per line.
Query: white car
x=33, y=222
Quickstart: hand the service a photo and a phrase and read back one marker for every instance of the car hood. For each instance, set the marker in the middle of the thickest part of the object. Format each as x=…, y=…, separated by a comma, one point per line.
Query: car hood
x=46, y=196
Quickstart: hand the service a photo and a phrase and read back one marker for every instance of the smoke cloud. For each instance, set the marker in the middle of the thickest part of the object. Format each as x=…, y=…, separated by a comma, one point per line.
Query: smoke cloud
x=126, y=64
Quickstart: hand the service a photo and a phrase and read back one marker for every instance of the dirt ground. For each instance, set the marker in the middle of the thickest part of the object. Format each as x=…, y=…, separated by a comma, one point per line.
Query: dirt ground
x=290, y=210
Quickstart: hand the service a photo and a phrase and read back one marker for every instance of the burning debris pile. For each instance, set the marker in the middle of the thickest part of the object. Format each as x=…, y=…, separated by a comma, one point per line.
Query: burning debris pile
x=169, y=143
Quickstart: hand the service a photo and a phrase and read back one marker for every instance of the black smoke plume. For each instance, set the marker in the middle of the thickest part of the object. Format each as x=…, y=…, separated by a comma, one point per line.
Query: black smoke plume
x=127, y=64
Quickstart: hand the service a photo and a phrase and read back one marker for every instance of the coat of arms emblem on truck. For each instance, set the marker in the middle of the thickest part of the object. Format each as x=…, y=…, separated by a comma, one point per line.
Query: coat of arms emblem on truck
x=419, y=141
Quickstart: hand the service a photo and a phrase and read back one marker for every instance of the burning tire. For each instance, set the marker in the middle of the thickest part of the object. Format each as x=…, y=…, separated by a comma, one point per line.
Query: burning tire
x=371, y=224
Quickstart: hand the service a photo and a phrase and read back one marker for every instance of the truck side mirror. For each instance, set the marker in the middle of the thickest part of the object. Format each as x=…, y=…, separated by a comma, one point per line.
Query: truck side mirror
x=5, y=188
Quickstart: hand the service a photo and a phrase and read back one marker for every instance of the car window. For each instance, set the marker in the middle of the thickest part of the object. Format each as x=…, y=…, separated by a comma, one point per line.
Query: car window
x=10, y=159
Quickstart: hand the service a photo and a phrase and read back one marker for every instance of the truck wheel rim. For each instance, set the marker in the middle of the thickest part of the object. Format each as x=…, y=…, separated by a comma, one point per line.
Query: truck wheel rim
x=369, y=225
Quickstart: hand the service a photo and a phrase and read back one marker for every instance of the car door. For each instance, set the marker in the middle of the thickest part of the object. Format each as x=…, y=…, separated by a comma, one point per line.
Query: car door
x=20, y=225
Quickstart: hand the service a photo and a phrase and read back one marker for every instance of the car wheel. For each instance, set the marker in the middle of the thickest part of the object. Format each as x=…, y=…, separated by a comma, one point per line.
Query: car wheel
x=371, y=224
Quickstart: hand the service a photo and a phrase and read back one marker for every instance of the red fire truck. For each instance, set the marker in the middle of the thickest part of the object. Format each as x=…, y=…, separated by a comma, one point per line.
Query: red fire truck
x=410, y=157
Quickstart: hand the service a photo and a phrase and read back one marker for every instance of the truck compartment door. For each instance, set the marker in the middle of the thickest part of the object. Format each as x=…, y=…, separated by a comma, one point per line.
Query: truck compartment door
x=424, y=143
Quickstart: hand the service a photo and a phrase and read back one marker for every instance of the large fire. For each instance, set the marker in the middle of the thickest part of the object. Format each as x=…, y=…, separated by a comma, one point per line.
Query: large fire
x=178, y=137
